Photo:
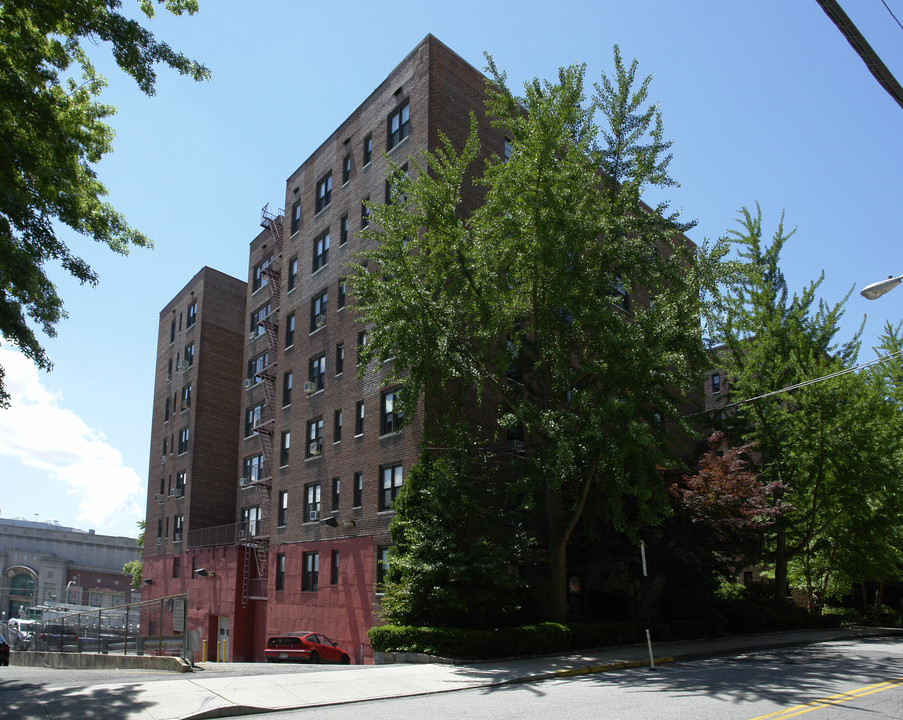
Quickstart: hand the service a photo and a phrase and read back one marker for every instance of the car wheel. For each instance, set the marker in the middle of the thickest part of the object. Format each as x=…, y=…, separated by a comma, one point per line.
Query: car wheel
x=345, y=660
x=314, y=658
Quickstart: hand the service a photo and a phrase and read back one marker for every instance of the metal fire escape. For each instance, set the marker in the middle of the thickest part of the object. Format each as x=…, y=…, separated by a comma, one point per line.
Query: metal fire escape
x=257, y=541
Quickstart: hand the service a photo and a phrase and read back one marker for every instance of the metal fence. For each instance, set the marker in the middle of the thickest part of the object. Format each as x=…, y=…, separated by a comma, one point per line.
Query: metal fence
x=152, y=627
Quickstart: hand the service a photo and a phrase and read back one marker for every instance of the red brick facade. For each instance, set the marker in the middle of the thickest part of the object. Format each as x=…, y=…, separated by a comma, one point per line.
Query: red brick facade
x=431, y=91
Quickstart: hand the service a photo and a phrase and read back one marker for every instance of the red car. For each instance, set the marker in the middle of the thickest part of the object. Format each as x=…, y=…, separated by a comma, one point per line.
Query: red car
x=304, y=646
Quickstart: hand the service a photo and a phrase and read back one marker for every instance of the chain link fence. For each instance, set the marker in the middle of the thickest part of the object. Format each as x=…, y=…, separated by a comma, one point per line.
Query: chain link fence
x=151, y=627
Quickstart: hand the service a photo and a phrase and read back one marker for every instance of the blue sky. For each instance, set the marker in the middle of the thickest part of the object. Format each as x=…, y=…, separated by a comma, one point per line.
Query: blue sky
x=765, y=102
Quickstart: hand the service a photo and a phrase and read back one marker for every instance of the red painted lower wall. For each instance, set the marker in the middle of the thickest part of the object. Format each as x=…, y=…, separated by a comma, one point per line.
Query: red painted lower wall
x=238, y=632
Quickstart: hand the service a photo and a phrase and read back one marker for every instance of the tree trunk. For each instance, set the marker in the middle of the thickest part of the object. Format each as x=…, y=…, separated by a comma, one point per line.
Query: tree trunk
x=780, y=564
x=555, y=592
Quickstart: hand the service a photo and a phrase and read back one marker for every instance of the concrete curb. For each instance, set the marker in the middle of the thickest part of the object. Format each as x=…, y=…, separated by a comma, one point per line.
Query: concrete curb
x=97, y=661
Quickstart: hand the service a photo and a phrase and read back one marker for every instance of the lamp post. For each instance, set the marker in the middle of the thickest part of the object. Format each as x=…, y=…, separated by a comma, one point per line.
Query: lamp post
x=877, y=289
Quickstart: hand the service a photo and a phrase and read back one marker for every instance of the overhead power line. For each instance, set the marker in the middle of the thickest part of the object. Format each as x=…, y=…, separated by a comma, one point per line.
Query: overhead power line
x=877, y=68
x=805, y=383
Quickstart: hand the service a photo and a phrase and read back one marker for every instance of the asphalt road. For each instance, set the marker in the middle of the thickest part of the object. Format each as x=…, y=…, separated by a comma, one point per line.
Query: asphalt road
x=836, y=681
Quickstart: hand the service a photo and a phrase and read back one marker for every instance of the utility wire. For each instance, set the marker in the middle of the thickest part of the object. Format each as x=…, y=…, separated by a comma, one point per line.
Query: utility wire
x=877, y=68
x=805, y=383
x=891, y=12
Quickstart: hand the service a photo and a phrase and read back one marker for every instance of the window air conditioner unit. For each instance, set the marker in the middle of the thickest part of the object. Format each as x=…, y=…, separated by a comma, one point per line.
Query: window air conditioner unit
x=315, y=448
x=310, y=387
x=248, y=382
x=242, y=532
x=516, y=445
x=159, y=497
x=312, y=515
x=252, y=336
x=172, y=492
x=163, y=460
x=180, y=492
x=320, y=320
x=168, y=377
x=182, y=365
x=186, y=405
x=159, y=541
x=177, y=537
x=244, y=482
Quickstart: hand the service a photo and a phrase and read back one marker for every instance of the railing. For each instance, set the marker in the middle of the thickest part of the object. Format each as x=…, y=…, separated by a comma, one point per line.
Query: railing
x=239, y=533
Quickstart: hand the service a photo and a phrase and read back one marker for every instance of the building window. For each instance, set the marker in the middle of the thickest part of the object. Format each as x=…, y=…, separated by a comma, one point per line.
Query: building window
x=365, y=212
x=314, y=437
x=398, y=126
x=176, y=566
x=343, y=229
x=321, y=251
x=166, y=410
x=292, y=279
x=312, y=502
x=252, y=468
x=362, y=338
x=318, y=311
x=346, y=168
x=189, y=354
x=192, y=314
x=259, y=276
x=296, y=216
x=290, y=330
x=280, y=571
x=284, y=445
x=183, y=441
x=172, y=332
x=256, y=366
x=334, y=568
x=382, y=567
x=391, y=417
x=368, y=149
x=282, y=510
x=250, y=517
x=716, y=383
x=177, y=525
x=324, y=192
x=339, y=358
x=252, y=419
x=317, y=373
x=181, y=482
x=164, y=449
x=336, y=489
x=508, y=149
x=186, y=397
x=310, y=571
x=358, y=490
x=287, y=389
x=619, y=293
x=393, y=191
x=359, y=418
x=390, y=481
x=343, y=289
x=257, y=318
x=337, y=427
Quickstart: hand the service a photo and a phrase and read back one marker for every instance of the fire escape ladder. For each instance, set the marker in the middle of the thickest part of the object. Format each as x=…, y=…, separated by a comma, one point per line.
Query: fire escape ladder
x=265, y=429
x=246, y=577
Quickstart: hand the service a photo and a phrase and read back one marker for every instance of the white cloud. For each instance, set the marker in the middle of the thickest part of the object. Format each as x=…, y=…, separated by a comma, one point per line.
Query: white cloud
x=65, y=455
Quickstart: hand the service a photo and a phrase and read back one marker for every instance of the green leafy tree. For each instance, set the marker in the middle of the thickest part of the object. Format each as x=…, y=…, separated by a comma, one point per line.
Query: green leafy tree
x=454, y=558
x=135, y=568
x=52, y=134
x=830, y=445
x=534, y=304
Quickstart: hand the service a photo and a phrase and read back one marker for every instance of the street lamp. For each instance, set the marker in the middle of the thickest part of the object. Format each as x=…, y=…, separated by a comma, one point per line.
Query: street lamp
x=877, y=289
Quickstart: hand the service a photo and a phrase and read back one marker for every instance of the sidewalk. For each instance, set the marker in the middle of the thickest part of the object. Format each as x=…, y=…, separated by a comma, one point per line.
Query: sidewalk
x=192, y=697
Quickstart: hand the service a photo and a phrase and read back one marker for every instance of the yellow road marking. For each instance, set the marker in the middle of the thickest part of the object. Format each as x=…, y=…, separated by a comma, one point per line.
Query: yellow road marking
x=831, y=700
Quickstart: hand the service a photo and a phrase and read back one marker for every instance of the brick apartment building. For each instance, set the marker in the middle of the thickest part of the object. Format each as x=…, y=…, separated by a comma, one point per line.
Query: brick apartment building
x=273, y=466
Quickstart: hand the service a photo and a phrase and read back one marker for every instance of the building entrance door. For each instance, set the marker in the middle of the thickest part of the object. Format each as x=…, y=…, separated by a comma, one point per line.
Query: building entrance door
x=222, y=638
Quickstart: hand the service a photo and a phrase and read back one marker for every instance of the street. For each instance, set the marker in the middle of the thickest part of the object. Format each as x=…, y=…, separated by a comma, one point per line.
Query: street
x=846, y=679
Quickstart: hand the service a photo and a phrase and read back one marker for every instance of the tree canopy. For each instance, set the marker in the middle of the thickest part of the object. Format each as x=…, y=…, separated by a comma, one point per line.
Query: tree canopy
x=559, y=300
x=52, y=134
